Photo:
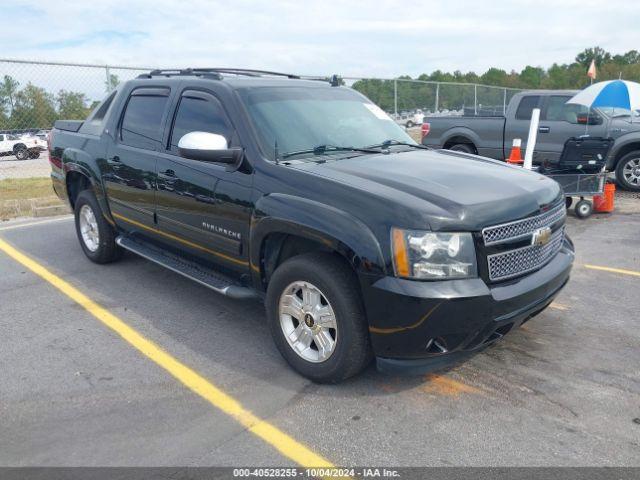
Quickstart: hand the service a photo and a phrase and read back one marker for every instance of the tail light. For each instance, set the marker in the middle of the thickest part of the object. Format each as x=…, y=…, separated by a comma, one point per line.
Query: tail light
x=53, y=160
x=425, y=129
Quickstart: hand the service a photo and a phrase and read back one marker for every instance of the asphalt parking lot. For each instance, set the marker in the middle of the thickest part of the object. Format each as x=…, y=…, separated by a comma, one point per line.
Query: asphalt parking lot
x=563, y=390
x=11, y=167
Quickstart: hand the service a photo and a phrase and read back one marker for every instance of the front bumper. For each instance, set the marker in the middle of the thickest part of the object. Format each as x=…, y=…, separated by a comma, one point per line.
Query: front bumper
x=417, y=325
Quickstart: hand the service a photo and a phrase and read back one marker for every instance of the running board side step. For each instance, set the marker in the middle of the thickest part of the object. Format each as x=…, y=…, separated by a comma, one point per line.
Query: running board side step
x=191, y=270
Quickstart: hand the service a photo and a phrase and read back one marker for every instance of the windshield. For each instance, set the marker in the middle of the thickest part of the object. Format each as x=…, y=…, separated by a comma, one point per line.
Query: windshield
x=302, y=119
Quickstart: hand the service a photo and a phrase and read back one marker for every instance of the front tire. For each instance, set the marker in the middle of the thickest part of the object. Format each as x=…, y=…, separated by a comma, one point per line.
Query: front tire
x=317, y=319
x=97, y=237
x=628, y=171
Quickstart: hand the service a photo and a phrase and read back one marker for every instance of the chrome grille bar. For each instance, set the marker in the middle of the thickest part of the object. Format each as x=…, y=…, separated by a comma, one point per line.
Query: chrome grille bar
x=516, y=262
x=522, y=228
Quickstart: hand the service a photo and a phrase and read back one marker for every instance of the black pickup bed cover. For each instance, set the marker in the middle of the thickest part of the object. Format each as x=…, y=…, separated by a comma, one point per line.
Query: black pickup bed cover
x=68, y=125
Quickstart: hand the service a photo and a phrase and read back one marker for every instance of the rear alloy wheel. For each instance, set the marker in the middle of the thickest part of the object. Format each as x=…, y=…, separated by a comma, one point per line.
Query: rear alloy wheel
x=96, y=235
x=22, y=154
x=628, y=171
x=316, y=317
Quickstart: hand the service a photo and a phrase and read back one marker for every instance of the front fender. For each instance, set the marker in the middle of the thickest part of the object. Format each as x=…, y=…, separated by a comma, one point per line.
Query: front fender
x=338, y=230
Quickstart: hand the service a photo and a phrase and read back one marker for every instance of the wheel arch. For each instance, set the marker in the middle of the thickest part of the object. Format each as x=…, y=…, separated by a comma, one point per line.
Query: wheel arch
x=622, y=150
x=19, y=146
x=461, y=135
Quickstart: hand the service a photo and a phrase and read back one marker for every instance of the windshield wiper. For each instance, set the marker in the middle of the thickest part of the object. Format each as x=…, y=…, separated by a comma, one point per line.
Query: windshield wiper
x=393, y=143
x=322, y=149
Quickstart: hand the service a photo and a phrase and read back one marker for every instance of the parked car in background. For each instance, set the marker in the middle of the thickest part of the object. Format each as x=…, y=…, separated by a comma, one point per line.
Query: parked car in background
x=22, y=146
x=492, y=136
x=409, y=119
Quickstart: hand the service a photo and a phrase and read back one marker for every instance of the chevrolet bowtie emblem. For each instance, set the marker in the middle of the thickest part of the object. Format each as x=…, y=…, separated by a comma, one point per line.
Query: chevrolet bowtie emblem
x=541, y=236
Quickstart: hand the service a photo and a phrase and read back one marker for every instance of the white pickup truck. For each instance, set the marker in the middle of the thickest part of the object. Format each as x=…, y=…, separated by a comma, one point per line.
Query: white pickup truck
x=22, y=146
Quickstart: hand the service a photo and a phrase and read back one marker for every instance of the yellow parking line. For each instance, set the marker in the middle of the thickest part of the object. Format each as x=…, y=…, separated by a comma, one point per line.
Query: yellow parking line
x=614, y=270
x=33, y=224
x=275, y=437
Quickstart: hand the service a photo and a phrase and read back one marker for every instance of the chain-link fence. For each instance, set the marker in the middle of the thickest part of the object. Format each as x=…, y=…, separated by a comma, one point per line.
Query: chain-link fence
x=33, y=95
x=409, y=100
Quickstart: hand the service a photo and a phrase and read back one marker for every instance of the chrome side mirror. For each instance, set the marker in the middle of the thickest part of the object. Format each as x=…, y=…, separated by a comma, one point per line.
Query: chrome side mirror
x=208, y=147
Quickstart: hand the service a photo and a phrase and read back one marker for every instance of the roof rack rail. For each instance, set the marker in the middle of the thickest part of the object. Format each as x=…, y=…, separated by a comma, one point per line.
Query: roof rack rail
x=214, y=72
x=171, y=72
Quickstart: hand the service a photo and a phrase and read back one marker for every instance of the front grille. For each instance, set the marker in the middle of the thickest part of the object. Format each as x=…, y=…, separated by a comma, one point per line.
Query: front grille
x=522, y=260
x=523, y=228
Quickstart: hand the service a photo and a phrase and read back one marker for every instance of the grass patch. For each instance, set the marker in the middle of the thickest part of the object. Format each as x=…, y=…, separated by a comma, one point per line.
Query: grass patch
x=20, y=197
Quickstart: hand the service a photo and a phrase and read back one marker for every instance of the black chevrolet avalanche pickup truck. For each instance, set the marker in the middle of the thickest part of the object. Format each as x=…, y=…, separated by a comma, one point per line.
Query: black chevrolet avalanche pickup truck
x=304, y=194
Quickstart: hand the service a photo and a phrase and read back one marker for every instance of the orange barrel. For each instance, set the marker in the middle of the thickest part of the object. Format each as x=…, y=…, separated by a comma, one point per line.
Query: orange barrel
x=604, y=203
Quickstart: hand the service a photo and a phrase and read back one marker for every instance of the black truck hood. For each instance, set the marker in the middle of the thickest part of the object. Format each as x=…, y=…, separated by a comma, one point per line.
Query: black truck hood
x=445, y=189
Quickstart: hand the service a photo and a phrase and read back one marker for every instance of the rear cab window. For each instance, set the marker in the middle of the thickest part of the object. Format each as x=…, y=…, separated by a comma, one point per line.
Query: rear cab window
x=142, y=121
x=526, y=106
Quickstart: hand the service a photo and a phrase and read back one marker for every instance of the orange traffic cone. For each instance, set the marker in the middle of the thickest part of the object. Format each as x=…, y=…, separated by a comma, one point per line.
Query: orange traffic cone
x=516, y=152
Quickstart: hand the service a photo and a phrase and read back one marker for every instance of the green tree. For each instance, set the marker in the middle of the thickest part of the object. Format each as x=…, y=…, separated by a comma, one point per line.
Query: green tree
x=596, y=53
x=34, y=108
x=8, y=89
x=112, y=83
x=531, y=77
x=72, y=105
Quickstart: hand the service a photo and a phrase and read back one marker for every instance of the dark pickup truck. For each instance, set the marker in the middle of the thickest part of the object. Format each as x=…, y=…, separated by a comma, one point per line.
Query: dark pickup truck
x=492, y=136
x=306, y=195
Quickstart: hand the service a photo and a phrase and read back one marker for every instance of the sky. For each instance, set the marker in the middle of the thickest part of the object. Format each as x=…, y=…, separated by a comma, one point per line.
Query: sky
x=352, y=38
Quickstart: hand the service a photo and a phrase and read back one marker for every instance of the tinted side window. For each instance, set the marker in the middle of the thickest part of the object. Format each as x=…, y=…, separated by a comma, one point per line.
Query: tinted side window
x=141, y=124
x=559, y=110
x=527, y=104
x=199, y=115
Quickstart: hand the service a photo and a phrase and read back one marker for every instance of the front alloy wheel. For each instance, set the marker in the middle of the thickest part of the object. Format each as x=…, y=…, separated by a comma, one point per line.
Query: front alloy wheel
x=316, y=317
x=308, y=321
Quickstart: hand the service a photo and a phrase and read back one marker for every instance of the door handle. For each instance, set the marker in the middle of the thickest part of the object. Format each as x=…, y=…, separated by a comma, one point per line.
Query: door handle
x=544, y=129
x=114, y=159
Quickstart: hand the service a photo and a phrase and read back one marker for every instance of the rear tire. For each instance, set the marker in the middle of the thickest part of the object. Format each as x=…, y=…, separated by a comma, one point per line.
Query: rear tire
x=21, y=153
x=334, y=291
x=463, y=147
x=628, y=171
x=97, y=237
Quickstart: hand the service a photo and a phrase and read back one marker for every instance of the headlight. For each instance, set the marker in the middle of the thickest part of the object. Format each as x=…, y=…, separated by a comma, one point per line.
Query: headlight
x=433, y=256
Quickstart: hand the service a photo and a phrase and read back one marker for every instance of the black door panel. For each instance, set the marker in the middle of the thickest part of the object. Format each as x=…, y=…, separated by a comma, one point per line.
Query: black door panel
x=201, y=206
x=130, y=174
